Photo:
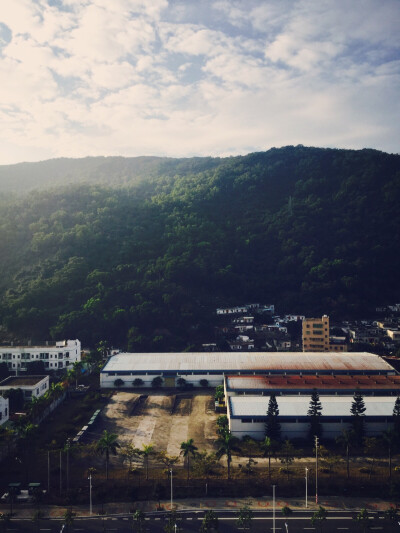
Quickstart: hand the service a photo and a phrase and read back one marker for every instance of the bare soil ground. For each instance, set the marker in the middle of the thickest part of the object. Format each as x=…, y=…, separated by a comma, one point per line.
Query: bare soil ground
x=162, y=419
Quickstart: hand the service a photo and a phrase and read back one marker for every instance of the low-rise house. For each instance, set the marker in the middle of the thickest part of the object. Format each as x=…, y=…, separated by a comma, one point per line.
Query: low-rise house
x=55, y=355
x=232, y=310
x=243, y=342
x=394, y=334
x=31, y=386
x=242, y=328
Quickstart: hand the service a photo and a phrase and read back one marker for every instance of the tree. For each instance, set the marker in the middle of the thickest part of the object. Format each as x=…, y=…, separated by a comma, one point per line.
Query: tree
x=219, y=393
x=69, y=518
x=173, y=523
x=362, y=520
x=396, y=417
x=119, y=383
x=314, y=412
x=5, y=519
x=147, y=451
x=204, y=383
x=138, y=521
x=346, y=440
x=157, y=382
x=390, y=440
x=138, y=382
x=272, y=426
x=244, y=518
x=392, y=516
x=130, y=452
x=181, y=382
x=159, y=493
x=286, y=511
x=210, y=521
x=188, y=449
x=319, y=517
x=371, y=449
x=328, y=459
x=357, y=411
x=205, y=464
x=107, y=444
x=269, y=448
x=222, y=424
x=287, y=455
x=227, y=444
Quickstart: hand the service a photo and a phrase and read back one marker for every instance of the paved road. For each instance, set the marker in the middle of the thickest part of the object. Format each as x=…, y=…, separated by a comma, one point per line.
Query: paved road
x=299, y=522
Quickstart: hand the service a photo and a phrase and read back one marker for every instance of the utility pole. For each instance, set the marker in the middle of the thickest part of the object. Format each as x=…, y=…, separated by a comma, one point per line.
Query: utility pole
x=90, y=494
x=273, y=508
x=48, y=472
x=60, y=471
x=171, y=490
x=316, y=469
x=306, y=487
x=68, y=445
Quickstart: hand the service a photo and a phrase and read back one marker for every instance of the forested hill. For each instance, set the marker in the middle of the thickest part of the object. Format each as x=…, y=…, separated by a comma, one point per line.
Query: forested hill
x=144, y=261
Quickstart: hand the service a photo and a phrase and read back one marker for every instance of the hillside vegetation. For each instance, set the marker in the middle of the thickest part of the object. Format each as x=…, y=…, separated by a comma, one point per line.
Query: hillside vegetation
x=140, y=251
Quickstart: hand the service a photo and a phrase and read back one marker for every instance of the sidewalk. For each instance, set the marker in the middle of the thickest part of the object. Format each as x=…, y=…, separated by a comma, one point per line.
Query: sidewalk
x=331, y=503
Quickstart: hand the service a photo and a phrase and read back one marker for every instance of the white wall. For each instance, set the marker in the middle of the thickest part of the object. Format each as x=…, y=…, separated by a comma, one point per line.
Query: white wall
x=300, y=430
x=107, y=381
x=4, y=410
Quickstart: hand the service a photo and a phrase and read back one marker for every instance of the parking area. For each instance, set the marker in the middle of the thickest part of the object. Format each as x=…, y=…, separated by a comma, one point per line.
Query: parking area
x=162, y=419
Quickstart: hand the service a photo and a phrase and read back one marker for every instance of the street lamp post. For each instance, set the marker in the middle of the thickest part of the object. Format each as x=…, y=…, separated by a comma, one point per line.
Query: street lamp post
x=273, y=508
x=306, y=487
x=171, y=490
x=90, y=494
x=68, y=445
x=316, y=469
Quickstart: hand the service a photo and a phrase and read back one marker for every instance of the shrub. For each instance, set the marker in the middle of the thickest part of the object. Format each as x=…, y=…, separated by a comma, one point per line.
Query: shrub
x=138, y=382
x=157, y=382
x=204, y=383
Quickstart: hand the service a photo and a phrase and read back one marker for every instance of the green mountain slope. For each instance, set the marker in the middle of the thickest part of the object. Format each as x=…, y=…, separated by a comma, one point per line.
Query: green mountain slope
x=144, y=262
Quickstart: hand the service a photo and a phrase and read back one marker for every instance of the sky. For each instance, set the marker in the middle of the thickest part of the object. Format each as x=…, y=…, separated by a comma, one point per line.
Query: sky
x=196, y=77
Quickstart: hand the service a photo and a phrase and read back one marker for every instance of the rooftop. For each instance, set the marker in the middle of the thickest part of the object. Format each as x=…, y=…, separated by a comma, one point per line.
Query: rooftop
x=309, y=382
x=296, y=406
x=326, y=362
x=21, y=381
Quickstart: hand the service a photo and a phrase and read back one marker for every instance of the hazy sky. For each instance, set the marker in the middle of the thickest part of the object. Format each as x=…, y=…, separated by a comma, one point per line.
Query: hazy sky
x=196, y=77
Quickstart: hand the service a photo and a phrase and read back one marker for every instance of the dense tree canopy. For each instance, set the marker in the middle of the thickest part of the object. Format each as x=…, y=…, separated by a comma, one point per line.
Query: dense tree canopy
x=142, y=258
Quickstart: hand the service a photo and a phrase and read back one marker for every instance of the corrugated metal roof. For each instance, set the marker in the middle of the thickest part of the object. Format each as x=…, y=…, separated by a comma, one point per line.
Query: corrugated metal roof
x=254, y=361
x=296, y=406
x=324, y=382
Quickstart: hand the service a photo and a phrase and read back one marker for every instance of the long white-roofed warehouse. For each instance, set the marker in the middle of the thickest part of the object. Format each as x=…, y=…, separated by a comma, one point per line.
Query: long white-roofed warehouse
x=250, y=379
x=247, y=415
x=213, y=366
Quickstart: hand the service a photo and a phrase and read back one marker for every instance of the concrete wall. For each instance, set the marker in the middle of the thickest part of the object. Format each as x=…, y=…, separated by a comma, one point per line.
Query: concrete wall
x=107, y=381
x=299, y=430
x=4, y=410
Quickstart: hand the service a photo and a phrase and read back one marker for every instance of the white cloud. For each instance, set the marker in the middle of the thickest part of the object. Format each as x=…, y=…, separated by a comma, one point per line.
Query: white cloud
x=132, y=76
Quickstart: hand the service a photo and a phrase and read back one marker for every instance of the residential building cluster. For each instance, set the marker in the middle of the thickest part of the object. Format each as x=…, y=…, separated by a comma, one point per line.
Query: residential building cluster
x=255, y=327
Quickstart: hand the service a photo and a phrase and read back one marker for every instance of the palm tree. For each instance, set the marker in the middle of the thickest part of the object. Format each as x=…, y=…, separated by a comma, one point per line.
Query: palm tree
x=188, y=449
x=346, y=440
x=269, y=448
x=108, y=444
x=227, y=444
x=148, y=449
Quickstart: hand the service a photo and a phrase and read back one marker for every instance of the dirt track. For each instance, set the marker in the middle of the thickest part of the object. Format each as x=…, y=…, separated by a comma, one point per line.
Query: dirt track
x=164, y=420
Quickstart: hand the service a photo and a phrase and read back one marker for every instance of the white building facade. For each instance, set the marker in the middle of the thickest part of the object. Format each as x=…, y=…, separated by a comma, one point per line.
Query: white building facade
x=248, y=415
x=55, y=355
x=4, y=410
x=31, y=386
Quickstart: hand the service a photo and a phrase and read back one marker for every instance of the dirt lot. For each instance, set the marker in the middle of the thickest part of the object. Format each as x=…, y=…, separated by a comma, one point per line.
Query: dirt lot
x=162, y=419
